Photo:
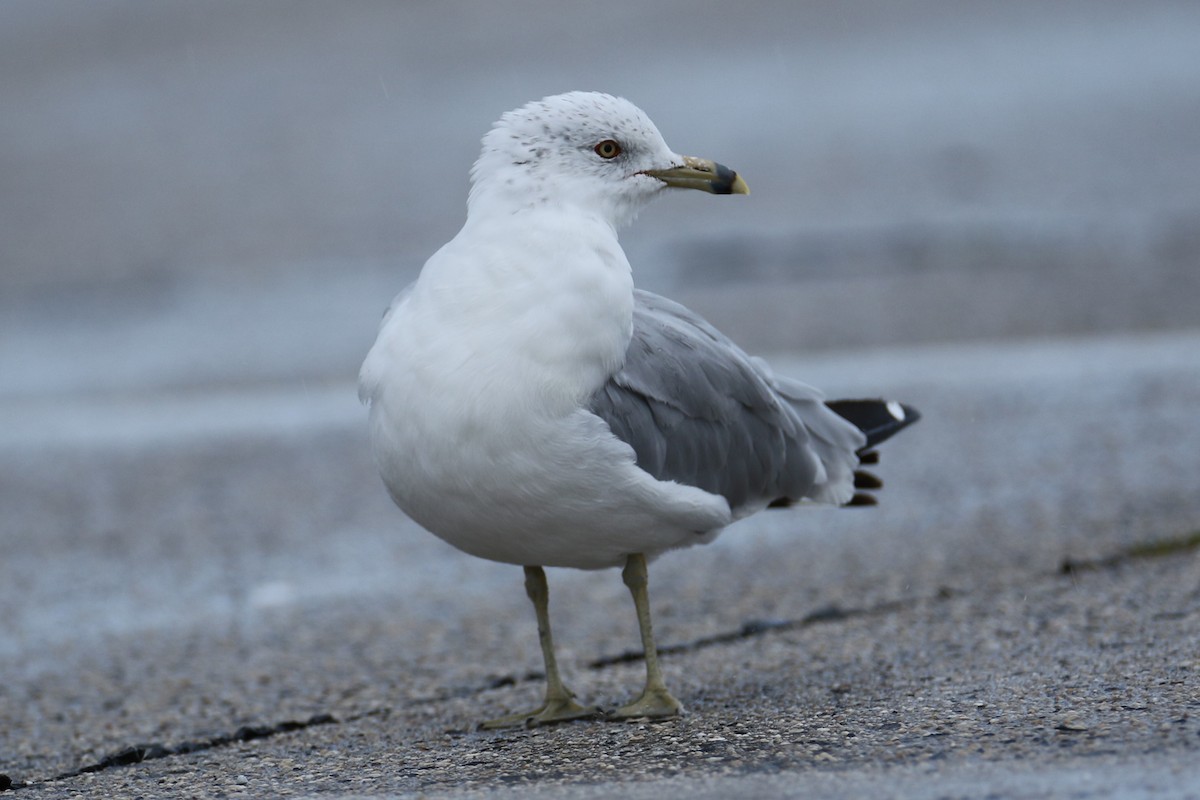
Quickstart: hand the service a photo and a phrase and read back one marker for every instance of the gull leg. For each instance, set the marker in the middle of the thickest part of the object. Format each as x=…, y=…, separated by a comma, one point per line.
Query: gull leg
x=560, y=705
x=655, y=700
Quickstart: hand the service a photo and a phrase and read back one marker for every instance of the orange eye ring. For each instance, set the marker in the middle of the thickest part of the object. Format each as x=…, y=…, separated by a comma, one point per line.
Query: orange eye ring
x=608, y=149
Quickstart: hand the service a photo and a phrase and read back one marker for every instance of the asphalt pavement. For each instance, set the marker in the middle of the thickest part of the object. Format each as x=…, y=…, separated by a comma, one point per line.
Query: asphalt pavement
x=990, y=213
x=245, y=615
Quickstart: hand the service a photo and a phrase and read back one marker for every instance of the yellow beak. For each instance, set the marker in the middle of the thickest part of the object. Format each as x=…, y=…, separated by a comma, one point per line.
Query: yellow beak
x=702, y=174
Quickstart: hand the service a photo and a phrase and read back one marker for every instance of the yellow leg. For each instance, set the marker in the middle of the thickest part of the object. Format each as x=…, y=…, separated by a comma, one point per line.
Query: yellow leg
x=560, y=705
x=655, y=701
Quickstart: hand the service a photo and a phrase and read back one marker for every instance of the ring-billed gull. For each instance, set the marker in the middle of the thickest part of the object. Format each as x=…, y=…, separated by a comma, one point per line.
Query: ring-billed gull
x=528, y=405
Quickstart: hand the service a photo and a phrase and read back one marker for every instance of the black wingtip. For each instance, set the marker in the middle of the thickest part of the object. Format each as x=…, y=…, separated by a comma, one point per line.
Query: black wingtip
x=878, y=419
x=865, y=480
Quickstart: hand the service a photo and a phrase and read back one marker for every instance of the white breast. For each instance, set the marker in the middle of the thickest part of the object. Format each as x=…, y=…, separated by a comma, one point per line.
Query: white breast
x=477, y=384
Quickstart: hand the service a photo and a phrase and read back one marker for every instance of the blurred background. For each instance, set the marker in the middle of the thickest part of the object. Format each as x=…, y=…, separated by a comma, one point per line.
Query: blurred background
x=205, y=208
x=216, y=193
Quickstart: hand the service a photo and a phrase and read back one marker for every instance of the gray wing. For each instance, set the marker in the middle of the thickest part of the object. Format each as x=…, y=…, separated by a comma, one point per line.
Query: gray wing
x=699, y=411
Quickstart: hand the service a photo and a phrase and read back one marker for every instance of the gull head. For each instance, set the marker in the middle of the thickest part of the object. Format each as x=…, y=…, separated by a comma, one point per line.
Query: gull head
x=589, y=151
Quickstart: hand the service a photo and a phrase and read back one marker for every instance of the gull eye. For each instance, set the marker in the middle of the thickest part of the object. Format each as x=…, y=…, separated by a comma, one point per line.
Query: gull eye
x=608, y=149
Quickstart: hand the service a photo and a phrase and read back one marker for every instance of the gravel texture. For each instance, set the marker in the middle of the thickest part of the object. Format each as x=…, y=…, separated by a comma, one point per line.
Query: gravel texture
x=1026, y=596
x=205, y=592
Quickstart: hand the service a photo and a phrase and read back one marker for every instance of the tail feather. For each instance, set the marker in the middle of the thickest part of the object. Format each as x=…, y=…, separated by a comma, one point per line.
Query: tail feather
x=879, y=420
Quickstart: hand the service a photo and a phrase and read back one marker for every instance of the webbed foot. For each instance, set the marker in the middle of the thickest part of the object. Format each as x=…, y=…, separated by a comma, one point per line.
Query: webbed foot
x=549, y=713
x=653, y=704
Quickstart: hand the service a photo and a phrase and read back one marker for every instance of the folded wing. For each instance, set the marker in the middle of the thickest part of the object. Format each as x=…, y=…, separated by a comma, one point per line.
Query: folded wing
x=699, y=411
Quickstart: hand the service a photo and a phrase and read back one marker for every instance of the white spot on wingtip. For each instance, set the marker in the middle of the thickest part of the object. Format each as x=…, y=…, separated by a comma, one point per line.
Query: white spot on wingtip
x=896, y=410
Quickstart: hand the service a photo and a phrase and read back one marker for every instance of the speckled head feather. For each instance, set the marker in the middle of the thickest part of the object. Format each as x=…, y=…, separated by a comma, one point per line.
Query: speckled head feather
x=545, y=153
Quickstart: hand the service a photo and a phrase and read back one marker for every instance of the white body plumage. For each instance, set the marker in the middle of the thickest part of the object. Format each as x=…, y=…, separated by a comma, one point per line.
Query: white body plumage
x=477, y=384
x=483, y=384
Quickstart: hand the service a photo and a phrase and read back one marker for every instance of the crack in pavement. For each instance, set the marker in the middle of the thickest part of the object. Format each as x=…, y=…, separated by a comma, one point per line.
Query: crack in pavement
x=758, y=627
x=1156, y=548
x=135, y=754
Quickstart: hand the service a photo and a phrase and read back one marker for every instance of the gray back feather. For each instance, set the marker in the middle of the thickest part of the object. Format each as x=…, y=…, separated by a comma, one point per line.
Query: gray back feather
x=699, y=411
